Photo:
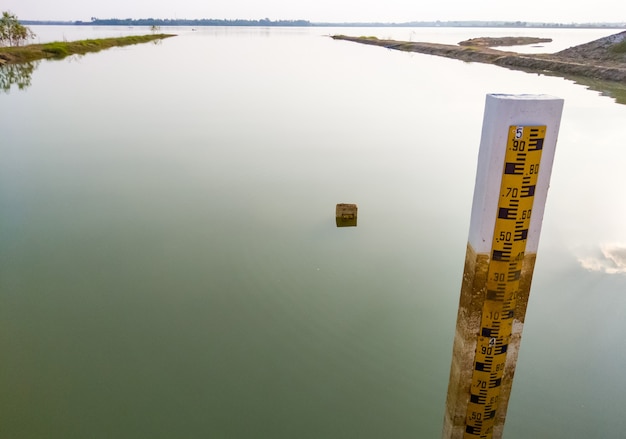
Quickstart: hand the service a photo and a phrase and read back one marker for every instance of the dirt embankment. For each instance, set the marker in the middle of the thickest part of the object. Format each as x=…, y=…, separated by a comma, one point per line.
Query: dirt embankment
x=503, y=41
x=601, y=59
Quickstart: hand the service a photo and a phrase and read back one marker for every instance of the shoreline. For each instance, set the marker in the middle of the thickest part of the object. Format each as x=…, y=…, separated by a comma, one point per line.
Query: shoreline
x=60, y=50
x=540, y=63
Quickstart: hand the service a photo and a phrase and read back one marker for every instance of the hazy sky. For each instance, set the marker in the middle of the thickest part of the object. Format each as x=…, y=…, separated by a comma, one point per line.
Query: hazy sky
x=325, y=10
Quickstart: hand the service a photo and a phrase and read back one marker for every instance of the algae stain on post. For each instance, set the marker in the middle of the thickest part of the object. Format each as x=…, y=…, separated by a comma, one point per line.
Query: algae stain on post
x=514, y=165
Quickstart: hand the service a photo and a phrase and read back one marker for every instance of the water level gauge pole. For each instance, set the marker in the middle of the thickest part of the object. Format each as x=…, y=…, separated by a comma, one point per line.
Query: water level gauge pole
x=514, y=165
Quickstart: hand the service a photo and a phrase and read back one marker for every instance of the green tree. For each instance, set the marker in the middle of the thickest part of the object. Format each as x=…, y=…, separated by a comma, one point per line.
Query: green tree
x=12, y=32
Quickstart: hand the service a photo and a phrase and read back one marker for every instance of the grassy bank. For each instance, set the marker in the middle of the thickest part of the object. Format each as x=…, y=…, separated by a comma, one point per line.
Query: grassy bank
x=61, y=49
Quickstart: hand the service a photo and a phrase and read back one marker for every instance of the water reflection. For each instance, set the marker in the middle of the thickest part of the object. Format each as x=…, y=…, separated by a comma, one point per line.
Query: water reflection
x=612, y=89
x=20, y=74
x=615, y=90
x=17, y=74
x=610, y=259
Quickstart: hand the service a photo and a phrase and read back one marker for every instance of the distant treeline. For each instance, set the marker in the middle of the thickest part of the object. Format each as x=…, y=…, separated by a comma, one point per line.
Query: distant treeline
x=305, y=23
x=507, y=24
x=177, y=22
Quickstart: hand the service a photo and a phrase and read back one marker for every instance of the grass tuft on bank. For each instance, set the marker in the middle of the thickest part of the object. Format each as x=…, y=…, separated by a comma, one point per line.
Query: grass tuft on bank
x=62, y=49
x=619, y=47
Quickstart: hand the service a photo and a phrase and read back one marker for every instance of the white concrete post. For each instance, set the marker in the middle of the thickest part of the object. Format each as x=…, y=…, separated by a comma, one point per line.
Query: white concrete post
x=514, y=165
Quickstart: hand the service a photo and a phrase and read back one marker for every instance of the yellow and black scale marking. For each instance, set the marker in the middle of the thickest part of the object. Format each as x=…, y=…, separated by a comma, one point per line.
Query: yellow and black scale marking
x=515, y=203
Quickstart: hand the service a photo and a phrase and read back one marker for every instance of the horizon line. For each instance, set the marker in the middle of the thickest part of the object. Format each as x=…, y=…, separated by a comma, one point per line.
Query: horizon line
x=517, y=23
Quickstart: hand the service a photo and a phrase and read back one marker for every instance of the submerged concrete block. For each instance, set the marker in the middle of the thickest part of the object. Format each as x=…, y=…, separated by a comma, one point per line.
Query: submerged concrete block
x=346, y=214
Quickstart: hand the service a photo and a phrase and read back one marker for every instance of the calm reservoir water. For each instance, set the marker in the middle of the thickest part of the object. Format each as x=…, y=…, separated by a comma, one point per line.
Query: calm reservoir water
x=170, y=265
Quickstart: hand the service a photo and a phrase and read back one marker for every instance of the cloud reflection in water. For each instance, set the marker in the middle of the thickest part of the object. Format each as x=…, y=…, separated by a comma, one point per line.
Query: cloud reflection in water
x=611, y=260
